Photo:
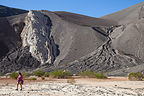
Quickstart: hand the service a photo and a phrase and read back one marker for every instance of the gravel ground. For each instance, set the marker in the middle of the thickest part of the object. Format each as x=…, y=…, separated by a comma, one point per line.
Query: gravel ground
x=79, y=88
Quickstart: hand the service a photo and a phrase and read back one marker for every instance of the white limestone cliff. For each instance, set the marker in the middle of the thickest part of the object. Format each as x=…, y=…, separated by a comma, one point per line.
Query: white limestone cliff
x=36, y=35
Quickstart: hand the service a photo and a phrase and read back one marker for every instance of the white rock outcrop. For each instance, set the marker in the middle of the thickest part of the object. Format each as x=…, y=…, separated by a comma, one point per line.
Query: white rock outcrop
x=36, y=35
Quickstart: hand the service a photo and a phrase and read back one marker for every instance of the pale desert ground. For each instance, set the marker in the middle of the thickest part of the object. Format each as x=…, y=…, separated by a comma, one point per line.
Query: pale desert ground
x=114, y=86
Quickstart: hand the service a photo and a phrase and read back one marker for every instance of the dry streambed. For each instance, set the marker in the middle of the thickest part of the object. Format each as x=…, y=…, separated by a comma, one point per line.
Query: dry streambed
x=82, y=87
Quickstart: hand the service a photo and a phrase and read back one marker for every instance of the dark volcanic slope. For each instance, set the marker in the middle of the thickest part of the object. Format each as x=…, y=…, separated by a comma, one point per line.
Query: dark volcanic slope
x=68, y=41
x=124, y=48
x=128, y=15
x=12, y=56
x=128, y=38
x=84, y=20
x=6, y=11
x=75, y=39
x=72, y=39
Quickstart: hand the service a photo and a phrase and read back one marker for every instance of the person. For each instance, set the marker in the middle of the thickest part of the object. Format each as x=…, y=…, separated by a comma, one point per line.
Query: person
x=20, y=81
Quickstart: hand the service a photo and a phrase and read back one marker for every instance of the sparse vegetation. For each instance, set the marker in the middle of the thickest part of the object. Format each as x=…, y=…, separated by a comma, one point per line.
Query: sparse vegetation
x=39, y=73
x=33, y=78
x=136, y=76
x=14, y=75
x=46, y=74
x=1, y=74
x=87, y=73
x=59, y=74
x=92, y=74
x=43, y=78
x=26, y=74
x=100, y=76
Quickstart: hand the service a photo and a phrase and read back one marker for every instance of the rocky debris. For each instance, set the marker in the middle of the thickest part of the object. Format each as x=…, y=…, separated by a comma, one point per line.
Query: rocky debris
x=20, y=59
x=128, y=39
x=61, y=89
x=104, y=59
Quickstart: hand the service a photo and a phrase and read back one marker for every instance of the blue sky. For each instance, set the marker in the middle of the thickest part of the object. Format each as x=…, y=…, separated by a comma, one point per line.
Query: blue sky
x=94, y=8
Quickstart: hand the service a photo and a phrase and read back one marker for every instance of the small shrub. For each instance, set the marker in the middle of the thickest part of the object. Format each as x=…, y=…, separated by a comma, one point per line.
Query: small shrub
x=39, y=73
x=43, y=78
x=136, y=76
x=14, y=75
x=26, y=74
x=87, y=73
x=1, y=74
x=46, y=74
x=33, y=78
x=59, y=74
x=92, y=74
x=100, y=76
